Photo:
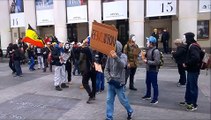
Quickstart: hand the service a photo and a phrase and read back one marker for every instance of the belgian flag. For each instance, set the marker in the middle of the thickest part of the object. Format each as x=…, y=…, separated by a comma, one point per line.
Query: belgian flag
x=32, y=38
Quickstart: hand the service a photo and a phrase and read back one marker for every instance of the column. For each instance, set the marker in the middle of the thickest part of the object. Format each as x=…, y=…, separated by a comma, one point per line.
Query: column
x=94, y=12
x=188, y=17
x=136, y=20
x=60, y=20
x=29, y=13
x=5, y=32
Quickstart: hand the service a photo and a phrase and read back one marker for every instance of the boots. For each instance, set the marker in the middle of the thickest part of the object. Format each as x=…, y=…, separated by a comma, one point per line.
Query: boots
x=63, y=85
x=58, y=88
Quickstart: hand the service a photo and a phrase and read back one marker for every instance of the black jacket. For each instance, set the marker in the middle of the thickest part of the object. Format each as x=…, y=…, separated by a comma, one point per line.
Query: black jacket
x=193, y=59
x=55, y=56
x=180, y=54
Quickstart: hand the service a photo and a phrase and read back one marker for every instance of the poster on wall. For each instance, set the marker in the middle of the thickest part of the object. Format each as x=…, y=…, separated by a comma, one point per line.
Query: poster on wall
x=16, y=13
x=76, y=11
x=44, y=12
x=161, y=8
x=203, y=29
x=204, y=6
x=114, y=9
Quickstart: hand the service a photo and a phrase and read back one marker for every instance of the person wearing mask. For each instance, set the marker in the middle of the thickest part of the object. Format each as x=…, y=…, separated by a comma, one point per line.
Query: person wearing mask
x=179, y=55
x=192, y=65
x=152, y=67
x=68, y=60
x=39, y=54
x=129, y=50
x=115, y=75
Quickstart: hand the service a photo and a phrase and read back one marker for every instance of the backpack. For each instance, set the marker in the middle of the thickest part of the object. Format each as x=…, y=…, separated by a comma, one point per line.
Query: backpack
x=205, y=60
x=161, y=63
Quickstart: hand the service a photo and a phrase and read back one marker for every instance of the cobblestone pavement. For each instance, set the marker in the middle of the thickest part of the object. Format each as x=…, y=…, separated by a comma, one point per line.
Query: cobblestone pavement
x=33, y=97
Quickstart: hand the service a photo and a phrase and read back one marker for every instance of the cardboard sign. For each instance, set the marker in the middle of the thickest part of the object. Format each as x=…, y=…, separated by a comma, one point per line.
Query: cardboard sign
x=103, y=37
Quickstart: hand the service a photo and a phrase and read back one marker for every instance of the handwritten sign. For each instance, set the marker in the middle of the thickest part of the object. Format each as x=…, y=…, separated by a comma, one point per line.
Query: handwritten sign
x=103, y=37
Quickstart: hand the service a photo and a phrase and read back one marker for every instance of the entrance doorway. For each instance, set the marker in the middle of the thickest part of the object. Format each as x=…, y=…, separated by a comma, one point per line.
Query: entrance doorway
x=77, y=32
x=159, y=23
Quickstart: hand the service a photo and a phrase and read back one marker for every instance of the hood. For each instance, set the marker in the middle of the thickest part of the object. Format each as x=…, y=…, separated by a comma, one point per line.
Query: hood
x=118, y=48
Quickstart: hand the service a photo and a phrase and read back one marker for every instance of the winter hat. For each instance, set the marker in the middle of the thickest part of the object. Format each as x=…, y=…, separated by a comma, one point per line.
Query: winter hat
x=132, y=37
x=151, y=39
x=190, y=36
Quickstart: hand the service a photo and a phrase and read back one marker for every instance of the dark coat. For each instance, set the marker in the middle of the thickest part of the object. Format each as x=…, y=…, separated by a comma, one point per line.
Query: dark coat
x=180, y=54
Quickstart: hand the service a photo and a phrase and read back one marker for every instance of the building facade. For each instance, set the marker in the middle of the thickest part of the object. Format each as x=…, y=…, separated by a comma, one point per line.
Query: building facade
x=71, y=20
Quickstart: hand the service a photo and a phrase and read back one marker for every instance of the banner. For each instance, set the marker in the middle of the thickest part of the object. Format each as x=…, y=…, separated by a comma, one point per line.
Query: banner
x=76, y=11
x=44, y=11
x=103, y=37
x=114, y=9
x=204, y=6
x=161, y=8
x=16, y=13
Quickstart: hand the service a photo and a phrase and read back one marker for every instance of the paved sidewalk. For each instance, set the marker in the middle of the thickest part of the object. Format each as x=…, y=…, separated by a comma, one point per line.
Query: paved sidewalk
x=33, y=97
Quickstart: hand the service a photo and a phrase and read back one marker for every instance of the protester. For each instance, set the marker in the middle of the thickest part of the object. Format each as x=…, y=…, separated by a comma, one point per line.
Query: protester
x=46, y=51
x=152, y=66
x=39, y=54
x=129, y=50
x=10, y=53
x=17, y=61
x=68, y=60
x=165, y=40
x=180, y=55
x=115, y=73
x=59, y=75
x=192, y=65
x=31, y=56
x=75, y=55
x=87, y=69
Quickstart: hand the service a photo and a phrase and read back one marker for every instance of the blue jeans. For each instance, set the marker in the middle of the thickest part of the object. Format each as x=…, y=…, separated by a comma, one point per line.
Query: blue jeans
x=112, y=92
x=32, y=63
x=99, y=82
x=191, y=94
x=17, y=65
x=151, y=78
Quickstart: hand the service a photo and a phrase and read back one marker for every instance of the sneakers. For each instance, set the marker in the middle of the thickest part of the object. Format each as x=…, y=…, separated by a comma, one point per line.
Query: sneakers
x=191, y=108
x=129, y=116
x=58, y=88
x=146, y=98
x=154, y=102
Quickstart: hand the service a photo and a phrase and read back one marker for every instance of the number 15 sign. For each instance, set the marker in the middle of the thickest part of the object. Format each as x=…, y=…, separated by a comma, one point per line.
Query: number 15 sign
x=161, y=8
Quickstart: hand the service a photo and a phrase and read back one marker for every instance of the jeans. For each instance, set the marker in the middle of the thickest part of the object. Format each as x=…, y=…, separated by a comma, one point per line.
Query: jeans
x=32, y=63
x=112, y=92
x=100, y=82
x=191, y=94
x=17, y=64
x=151, y=78
x=181, y=71
x=130, y=72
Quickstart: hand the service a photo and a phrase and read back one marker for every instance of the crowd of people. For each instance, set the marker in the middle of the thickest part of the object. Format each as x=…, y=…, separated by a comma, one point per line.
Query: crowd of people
x=79, y=59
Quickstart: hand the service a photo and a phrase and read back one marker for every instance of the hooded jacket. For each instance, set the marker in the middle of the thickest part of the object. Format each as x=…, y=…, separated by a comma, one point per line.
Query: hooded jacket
x=115, y=67
x=193, y=54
